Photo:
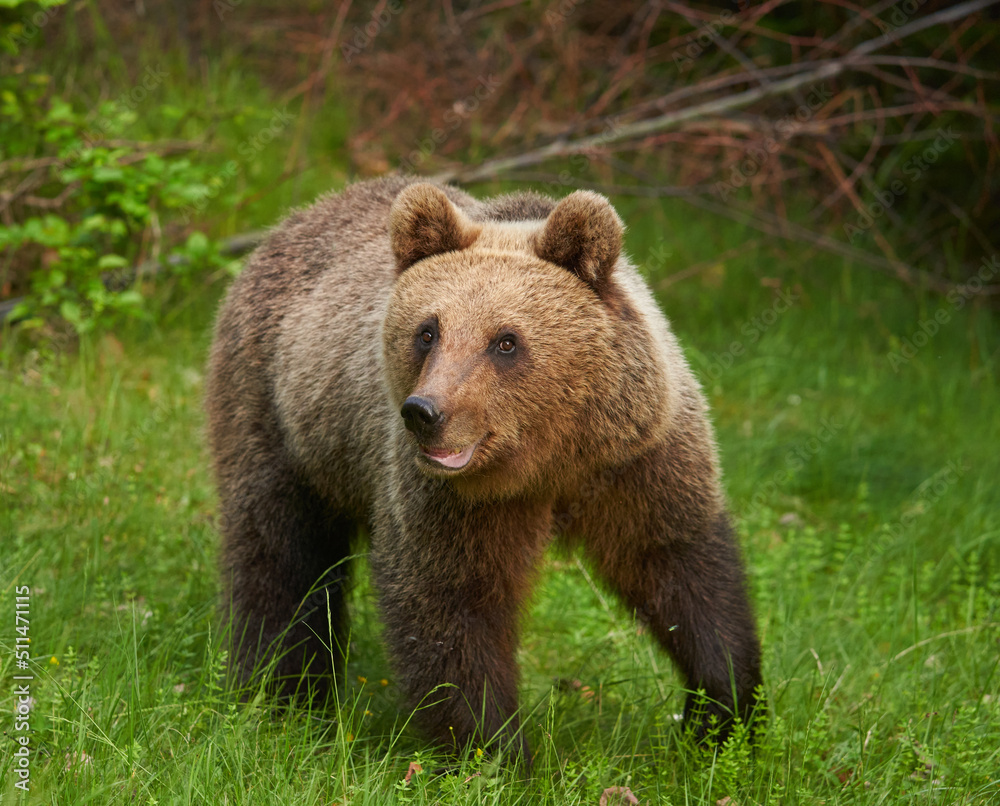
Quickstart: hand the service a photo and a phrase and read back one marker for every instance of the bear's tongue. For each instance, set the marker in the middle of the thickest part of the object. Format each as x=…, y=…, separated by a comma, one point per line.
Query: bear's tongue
x=449, y=459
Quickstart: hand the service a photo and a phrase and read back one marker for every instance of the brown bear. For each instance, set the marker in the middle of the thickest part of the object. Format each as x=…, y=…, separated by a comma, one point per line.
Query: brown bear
x=464, y=381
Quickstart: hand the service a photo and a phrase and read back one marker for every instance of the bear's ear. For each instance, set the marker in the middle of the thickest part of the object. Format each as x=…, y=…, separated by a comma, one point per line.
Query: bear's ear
x=422, y=222
x=583, y=234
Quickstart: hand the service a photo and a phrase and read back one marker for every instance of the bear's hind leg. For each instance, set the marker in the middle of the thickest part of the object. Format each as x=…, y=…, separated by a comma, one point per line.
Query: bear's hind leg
x=285, y=573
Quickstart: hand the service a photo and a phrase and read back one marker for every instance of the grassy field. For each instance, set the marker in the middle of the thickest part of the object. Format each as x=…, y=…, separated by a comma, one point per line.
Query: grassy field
x=865, y=490
x=861, y=459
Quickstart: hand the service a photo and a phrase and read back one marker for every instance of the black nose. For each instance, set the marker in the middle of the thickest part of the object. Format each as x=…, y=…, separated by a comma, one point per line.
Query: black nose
x=421, y=415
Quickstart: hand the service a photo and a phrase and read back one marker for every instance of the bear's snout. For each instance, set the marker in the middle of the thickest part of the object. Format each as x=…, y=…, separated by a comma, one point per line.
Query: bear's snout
x=421, y=417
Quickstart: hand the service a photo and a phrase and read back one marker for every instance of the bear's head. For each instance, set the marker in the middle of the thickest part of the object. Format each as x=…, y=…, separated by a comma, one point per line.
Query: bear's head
x=499, y=340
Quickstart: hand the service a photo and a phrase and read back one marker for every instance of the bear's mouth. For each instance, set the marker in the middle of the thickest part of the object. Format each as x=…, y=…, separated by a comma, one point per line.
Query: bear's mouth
x=452, y=460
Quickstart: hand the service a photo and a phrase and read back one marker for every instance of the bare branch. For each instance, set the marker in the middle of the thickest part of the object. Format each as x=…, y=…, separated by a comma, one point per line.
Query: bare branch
x=643, y=128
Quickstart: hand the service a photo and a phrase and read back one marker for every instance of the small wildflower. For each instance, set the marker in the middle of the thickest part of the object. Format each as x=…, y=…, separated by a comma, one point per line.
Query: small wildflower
x=479, y=753
x=384, y=682
x=362, y=680
x=53, y=661
x=368, y=713
x=350, y=737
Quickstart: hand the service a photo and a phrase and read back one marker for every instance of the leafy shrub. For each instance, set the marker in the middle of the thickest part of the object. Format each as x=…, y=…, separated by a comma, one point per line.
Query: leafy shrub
x=83, y=212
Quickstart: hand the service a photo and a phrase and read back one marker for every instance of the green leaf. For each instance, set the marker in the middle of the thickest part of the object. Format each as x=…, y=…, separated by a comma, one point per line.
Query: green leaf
x=112, y=262
x=11, y=235
x=20, y=310
x=71, y=312
x=128, y=297
x=197, y=243
x=60, y=110
x=48, y=231
x=94, y=222
x=108, y=173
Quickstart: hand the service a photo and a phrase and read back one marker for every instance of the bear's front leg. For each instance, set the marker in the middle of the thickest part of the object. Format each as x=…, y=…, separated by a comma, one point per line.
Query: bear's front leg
x=658, y=536
x=452, y=580
x=696, y=605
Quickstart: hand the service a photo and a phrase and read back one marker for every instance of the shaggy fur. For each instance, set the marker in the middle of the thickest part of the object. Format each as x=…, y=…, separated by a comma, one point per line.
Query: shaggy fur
x=395, y=295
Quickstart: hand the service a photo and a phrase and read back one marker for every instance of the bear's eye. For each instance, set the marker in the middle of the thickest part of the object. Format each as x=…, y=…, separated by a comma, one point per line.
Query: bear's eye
x=426, y=336
x=506, y=345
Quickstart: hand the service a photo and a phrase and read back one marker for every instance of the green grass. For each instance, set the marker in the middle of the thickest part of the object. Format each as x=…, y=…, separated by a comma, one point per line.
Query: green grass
x=872, y=547
x=864, y=490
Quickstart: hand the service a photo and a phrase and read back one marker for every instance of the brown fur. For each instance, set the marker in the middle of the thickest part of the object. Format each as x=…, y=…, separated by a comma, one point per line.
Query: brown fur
x=584, y=235
x=593, y=429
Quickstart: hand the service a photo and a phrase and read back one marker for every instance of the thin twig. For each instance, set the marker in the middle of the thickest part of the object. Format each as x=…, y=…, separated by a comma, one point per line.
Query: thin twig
x=935, y=64
x=54, y=203
x=846, y=183
x=326, y=59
